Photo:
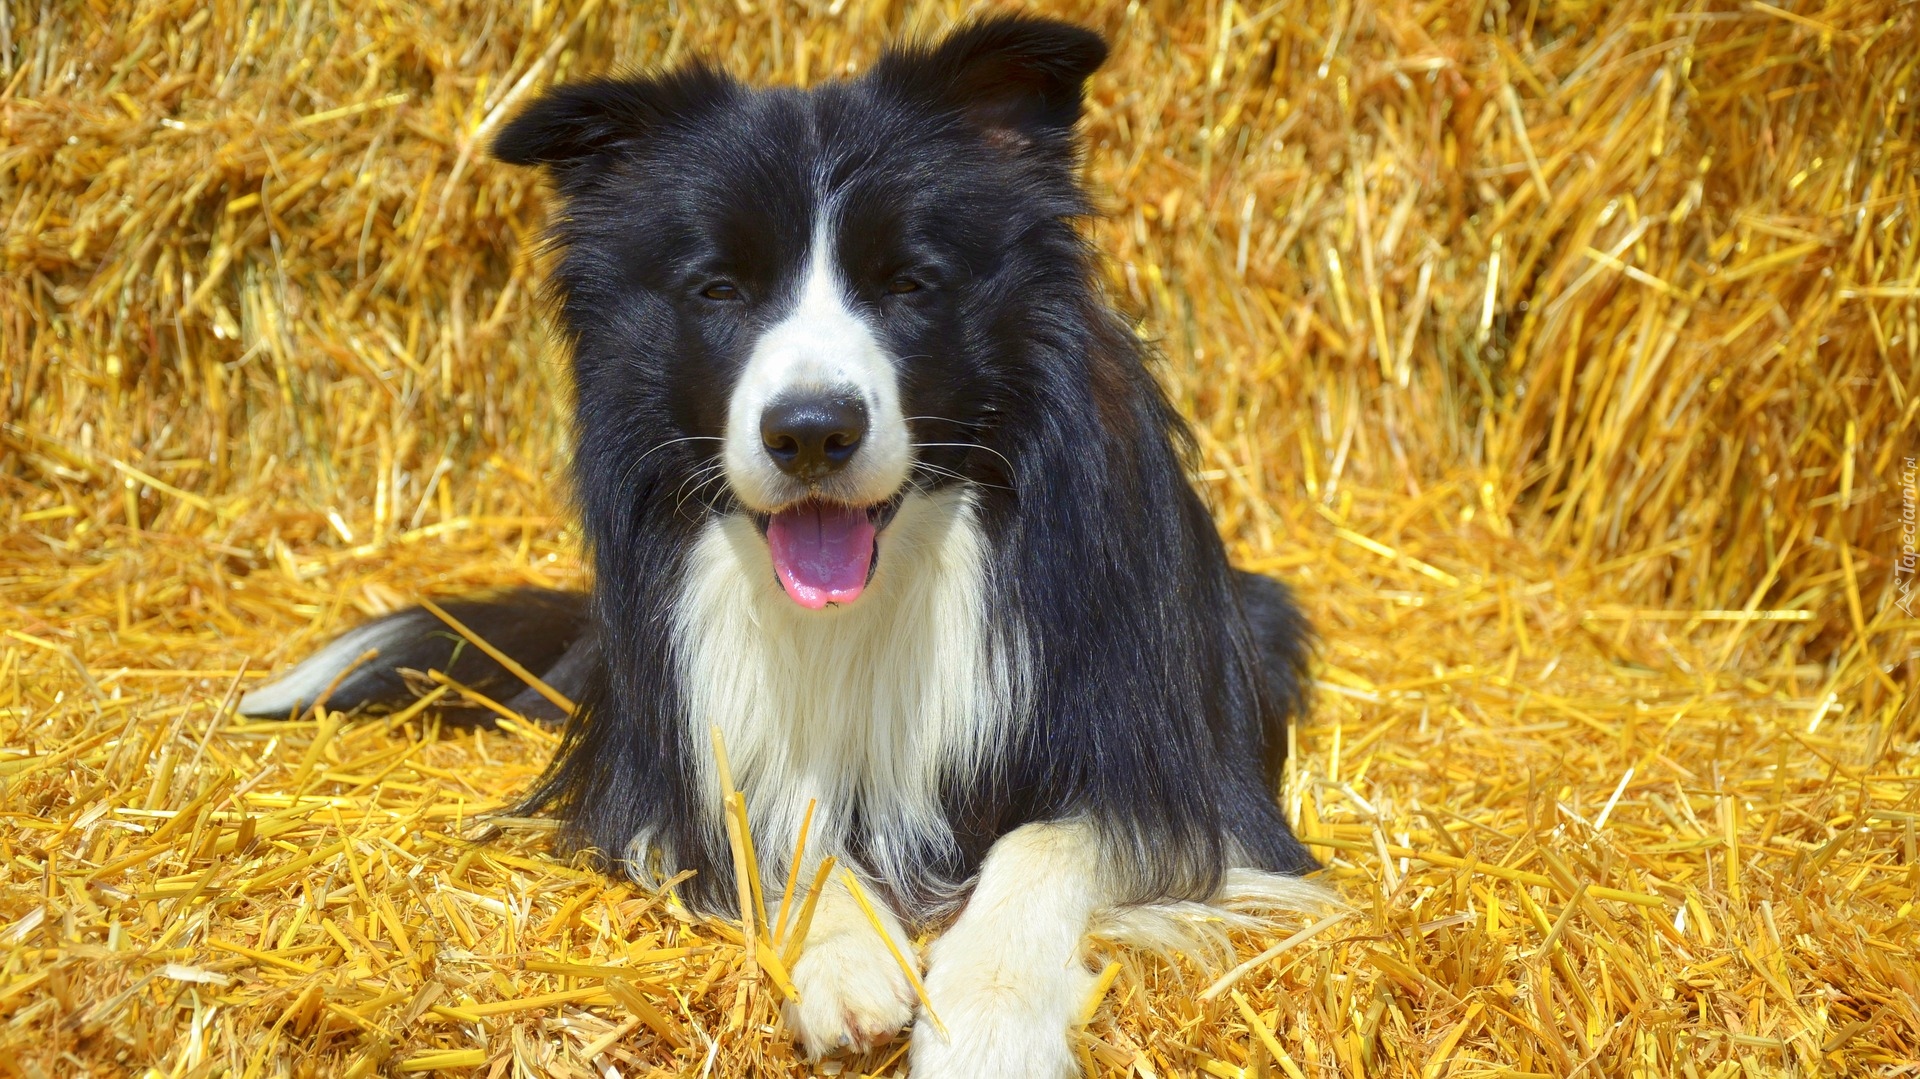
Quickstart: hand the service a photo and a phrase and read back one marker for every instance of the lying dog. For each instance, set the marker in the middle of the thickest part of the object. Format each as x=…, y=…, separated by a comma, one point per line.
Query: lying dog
x=876, y=481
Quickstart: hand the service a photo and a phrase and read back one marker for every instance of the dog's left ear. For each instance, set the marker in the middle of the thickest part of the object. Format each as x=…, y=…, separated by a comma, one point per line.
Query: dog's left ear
x=1014, y=77
x=580, y=123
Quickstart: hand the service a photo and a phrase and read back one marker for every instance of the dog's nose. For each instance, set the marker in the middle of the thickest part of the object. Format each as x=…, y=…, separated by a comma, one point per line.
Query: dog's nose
x=812, y=436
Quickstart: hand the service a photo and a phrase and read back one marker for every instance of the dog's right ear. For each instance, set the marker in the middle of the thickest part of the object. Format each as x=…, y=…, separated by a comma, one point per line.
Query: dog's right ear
x=579, y=122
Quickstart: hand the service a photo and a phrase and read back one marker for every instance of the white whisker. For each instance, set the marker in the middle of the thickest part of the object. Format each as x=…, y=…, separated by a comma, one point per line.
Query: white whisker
x=952, y=475
x=700, y=479
x=944, y=419
x=967, y=446
x=633, y=467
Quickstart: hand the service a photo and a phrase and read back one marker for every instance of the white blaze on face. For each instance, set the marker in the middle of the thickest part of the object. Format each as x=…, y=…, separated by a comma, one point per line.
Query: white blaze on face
x=821, y=345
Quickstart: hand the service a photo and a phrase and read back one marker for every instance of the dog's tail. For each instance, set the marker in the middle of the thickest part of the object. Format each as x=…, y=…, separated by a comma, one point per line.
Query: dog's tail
x=1249, y=901
x=548, y=632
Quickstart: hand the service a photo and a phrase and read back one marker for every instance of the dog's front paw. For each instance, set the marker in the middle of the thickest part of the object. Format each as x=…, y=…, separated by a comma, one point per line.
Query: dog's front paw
x=1006, y=1017
x=853, y=994
x=999, y=1040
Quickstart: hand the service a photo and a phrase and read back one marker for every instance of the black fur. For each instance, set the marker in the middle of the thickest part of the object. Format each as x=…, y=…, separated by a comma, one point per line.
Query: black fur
x=542, y=629
x=1163, y=678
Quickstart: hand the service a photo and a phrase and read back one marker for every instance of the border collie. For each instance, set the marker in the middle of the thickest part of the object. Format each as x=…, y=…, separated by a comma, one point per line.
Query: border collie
x=876, y=480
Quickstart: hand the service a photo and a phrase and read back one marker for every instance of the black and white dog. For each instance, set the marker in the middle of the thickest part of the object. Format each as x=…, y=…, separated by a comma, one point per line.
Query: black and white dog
x=876, y=480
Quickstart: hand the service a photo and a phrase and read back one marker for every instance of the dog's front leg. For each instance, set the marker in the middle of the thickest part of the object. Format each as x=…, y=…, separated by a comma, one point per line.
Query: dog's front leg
x=853, y=994
x=1008, y=980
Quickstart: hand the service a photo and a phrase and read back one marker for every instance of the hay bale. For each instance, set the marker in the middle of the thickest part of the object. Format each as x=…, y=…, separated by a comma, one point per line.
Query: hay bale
x=1564, y=355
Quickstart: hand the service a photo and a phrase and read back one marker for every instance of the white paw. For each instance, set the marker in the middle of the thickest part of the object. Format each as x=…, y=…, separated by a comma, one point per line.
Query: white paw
x=853, y=995
x=1007, y=1017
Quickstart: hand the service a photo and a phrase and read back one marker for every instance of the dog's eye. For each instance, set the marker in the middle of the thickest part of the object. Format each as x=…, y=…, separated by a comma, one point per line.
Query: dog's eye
x=721, y=290
x=900, y=286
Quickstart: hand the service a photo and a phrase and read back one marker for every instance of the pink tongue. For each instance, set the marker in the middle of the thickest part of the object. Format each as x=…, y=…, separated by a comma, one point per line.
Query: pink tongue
x=821, y=552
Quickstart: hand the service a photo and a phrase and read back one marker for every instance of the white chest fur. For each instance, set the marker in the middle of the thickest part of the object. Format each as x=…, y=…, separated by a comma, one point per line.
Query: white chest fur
x=865, y=709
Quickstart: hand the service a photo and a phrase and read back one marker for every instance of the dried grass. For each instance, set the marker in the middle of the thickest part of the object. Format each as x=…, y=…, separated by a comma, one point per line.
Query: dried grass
x=1564, y=354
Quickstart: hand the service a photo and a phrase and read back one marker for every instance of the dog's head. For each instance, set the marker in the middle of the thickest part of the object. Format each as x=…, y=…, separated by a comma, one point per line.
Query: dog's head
x=803, y=306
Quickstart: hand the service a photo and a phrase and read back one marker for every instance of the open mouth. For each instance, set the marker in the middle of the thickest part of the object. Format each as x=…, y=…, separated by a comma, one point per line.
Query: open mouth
x=825, y=552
